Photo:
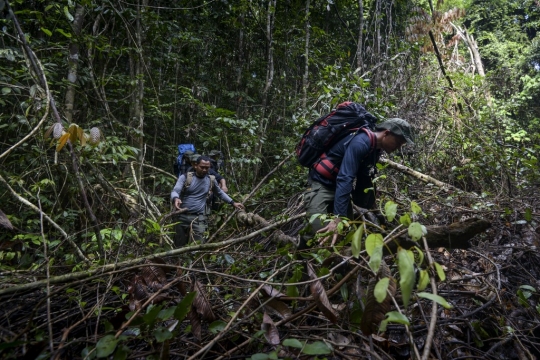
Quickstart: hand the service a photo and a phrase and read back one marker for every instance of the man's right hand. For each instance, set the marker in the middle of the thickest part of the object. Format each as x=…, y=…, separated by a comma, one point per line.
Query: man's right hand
x=332, y=227
x=177, y=203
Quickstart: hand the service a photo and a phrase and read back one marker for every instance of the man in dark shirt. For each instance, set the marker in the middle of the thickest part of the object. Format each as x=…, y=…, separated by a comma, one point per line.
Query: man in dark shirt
x=332, y=177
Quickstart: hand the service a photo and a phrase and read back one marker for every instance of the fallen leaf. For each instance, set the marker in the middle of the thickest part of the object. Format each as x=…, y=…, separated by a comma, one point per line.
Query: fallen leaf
x=319, y=294
x=279, y=308
x=271, y=333
x=201, y=304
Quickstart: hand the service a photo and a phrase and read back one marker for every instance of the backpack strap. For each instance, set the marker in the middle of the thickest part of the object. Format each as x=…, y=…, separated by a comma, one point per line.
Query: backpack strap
x=326, y=168
x=187, y=183
x=211, y=187
x=189, y=180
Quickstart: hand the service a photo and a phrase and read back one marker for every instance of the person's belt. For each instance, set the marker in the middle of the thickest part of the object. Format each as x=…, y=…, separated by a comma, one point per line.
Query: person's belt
x=195, y=213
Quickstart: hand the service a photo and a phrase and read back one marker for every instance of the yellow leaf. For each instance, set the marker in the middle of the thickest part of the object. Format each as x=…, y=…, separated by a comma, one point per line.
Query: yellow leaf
x=80, y=135
x=62, y=141
x=73, y=133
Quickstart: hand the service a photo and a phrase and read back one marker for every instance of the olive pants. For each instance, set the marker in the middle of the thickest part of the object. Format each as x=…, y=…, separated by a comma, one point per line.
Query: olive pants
x=190, y=227
x=318, y=199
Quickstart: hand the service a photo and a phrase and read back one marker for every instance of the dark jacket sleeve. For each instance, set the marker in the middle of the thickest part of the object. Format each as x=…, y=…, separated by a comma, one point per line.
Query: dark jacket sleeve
x=216, y=174
x=356, y=152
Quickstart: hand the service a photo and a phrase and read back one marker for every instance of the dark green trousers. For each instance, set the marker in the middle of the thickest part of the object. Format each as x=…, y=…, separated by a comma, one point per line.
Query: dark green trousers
x=190, y=227
x=318, y=199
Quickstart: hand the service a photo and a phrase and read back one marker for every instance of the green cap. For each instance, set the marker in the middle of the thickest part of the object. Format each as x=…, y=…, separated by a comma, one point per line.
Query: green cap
x=194, y=157
x=397, y=126
x=214, y=153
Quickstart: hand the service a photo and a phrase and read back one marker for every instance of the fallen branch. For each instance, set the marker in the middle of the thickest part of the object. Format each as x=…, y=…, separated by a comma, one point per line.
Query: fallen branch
x=454, y=236
x=423, y=177
x=46, y=217
x=251, y=219
x=248, y=196
x=111, y=267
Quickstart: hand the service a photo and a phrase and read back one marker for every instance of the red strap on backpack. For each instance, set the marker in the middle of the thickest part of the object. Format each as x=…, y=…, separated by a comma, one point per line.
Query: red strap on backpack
x=326, y=168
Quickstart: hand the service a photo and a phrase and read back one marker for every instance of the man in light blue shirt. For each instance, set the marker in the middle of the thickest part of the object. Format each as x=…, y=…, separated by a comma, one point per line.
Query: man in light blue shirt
x=192, y=192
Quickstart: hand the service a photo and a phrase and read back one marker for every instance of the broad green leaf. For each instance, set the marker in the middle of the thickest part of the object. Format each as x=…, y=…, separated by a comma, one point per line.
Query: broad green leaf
x=416, y=231
x=184, y=306
x=376, y=258
x=438, y=299
x=166, y=314
x=68, y=35
x=313, y=217
x=344, y=291
x=260, y=356
x=440, y=271
x=523, y=296
x=121, y=353
x=6, y=90
x=528, y=214
x=356, y=242
x=406, y=275
x=405, y=220
x=67, y=13
x=424, y=280
x=46, y=31
x=420, y=255
x=373, y=241
x=292, y=291
x=293, y=343
x=317, y=348
x=395, y=317
x=527, y=287
x=415, y=208
x=151, y=313
x=380, y=289
x=217, y=326
x=162, y=334
x=411, y=255
x=390, y=209
x=106, y=346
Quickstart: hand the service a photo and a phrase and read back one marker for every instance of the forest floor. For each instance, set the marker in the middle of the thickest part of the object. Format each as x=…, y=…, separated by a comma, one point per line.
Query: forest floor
x=245, y=303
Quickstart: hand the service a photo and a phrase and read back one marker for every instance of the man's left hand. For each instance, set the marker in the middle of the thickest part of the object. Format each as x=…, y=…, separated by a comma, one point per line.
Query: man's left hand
x=332, y=227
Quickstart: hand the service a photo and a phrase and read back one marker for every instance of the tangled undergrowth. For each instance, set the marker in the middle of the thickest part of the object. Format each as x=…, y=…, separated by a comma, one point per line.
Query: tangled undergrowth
x=262, y=299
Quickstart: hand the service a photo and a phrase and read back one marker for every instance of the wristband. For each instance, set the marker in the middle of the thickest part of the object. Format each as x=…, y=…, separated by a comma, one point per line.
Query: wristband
x=232, y=202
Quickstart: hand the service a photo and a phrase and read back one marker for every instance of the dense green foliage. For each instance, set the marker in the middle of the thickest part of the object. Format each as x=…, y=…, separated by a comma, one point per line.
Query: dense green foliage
x=232, y=75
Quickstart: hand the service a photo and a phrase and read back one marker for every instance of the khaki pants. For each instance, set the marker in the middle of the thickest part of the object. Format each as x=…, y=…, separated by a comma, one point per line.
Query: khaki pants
x=318, y=200
x=190, y=227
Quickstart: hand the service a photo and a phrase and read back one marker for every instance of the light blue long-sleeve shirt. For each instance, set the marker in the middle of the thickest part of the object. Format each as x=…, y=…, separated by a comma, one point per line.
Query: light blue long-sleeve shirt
x=194, y=197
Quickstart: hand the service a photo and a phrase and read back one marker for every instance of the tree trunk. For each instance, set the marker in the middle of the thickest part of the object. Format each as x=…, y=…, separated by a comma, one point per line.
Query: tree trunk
x=73, y=61
x=468, y=39
x=359, y=52
x=475, y=55
x=240, y=57
x=454, y=236
x=270, y=18
x=138, y=109
x=305, y=78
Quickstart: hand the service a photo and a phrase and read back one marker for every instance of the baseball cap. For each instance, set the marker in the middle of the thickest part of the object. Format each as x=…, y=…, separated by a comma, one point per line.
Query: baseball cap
x=397, y=126
x=194, y=157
